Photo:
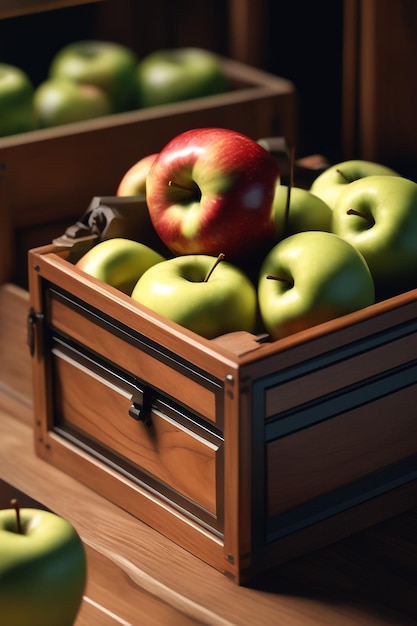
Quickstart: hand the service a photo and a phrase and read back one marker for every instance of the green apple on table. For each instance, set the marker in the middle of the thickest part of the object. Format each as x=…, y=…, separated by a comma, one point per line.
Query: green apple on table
x=133, y=182
x=211, y=190
x=176, y=74
x=202, y=293
x=119, y=262
x=310, y=278
x=43, y=568
x=106, y=64
x=17, y=113
x=60, y=102
x=378, y=215
x=329, y=184
x=304, y=212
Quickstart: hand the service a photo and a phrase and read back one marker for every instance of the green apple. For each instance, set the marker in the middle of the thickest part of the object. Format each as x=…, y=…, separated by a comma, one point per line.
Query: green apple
x=378, y=215
x=108, y=65
x=60, y=101
x=133, y=182
x=172, y=75
x=310, y=278
x=330, y=183
x=305, y=211
x=119, y=262
x=17, y=114
x=206, y=295
x=43, y=569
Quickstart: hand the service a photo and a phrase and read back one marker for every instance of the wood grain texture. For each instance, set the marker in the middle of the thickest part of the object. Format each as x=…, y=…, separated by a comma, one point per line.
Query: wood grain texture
x=173, y=455
x=317, y=460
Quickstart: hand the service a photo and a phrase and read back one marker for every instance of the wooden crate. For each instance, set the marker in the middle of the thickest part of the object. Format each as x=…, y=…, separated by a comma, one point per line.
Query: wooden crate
x=48, y=177
x=245, y=452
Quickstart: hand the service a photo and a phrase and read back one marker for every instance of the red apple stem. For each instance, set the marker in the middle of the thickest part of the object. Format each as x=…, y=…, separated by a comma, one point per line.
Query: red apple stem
x=16, y=507
x=172, y=183
x=343, y=175
x=213, y=267
x=280, y=279
x=359, y=214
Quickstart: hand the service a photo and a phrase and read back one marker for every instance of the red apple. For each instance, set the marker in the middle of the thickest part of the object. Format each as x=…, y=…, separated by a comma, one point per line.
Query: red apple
x=133, y=182
x=210, y=191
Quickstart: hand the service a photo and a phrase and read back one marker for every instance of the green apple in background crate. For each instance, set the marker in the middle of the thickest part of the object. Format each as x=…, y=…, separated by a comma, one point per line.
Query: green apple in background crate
x=17, y=113
x=176, y=74
x=60, y=102
x=105, y=64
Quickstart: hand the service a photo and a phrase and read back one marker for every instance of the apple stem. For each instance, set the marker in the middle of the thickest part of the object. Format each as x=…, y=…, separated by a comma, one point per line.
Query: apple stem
x=172, y=183
x=359, y=214
x=16, y=507
x=281, y=279
x=213, y=267
x=343, y=175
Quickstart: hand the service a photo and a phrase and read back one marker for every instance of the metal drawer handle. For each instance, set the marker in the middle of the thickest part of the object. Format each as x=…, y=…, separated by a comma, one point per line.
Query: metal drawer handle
x=142, y=412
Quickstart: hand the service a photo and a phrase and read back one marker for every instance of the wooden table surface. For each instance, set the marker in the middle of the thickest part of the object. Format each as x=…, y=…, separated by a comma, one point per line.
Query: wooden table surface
x=136, y=576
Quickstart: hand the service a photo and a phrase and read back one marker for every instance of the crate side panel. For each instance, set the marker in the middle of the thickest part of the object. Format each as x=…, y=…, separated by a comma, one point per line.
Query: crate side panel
x=98, y=406
x=326, y=456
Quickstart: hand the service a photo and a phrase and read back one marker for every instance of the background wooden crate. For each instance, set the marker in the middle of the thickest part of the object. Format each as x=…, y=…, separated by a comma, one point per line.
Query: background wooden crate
x=48, y=177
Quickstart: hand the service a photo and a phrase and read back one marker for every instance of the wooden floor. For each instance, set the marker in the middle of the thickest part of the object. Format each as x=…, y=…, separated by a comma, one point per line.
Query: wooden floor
x=136, y=576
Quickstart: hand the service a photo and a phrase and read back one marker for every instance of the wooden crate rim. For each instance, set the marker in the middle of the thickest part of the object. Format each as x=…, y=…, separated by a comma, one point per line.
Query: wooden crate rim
x=53, y=257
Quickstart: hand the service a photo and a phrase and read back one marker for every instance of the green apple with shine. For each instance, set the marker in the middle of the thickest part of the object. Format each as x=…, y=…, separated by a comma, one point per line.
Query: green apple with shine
x=60, y=102
x=119, y=262
x=304, y=212
x=310, y=278
x=176, y=74
x=108, y=65
x=17, y=113
x=200, y=292
x=378, y=215
x=330, y=183
x=43, y=569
